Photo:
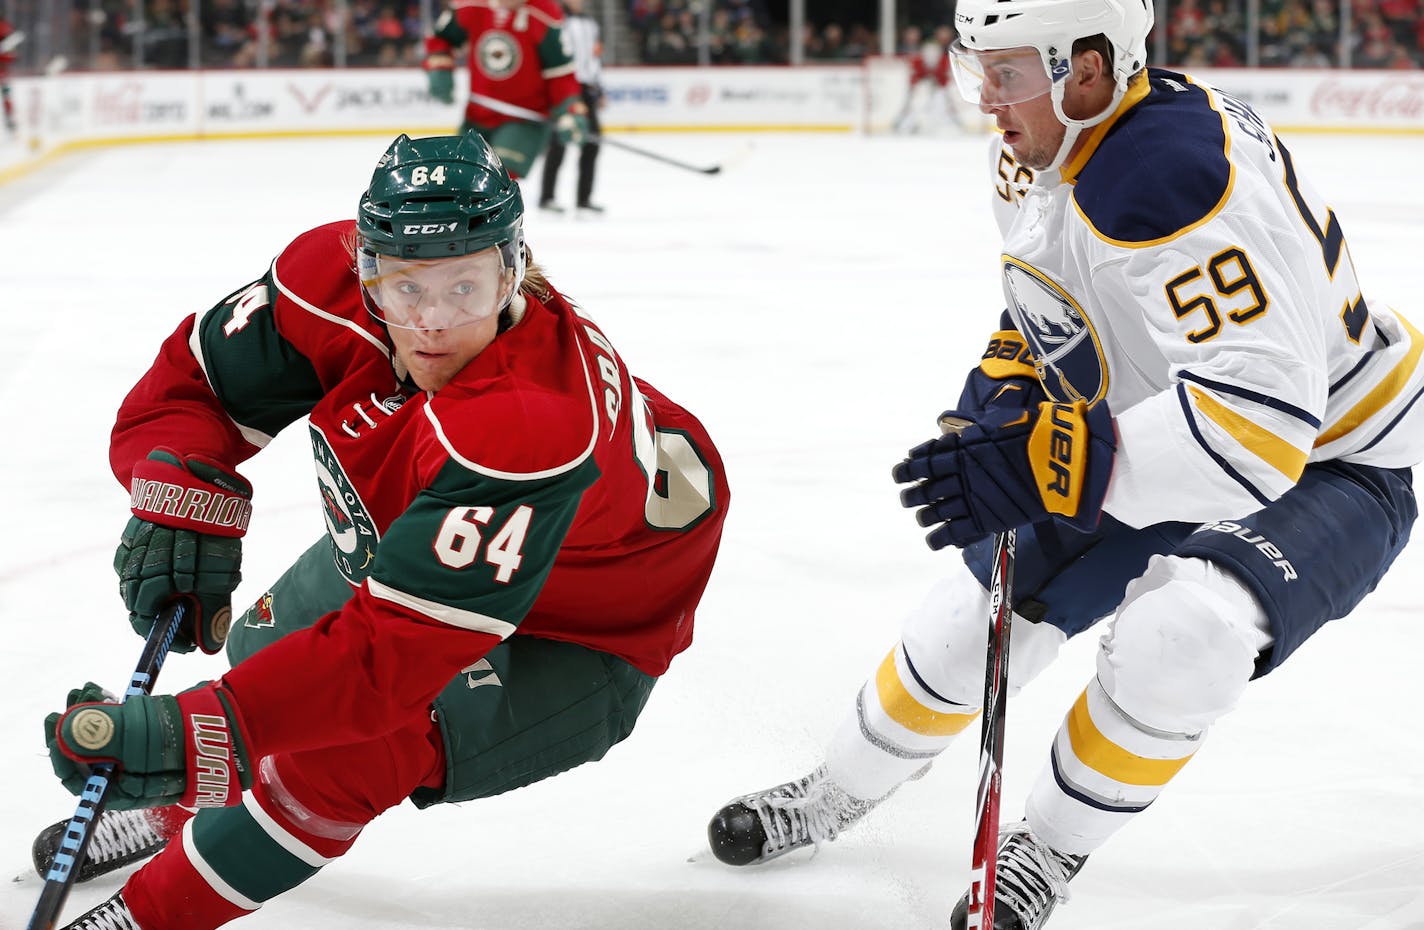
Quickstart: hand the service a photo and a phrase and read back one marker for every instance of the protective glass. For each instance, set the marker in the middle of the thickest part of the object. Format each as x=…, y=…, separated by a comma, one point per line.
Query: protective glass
x=440, y=293
x=998, y=77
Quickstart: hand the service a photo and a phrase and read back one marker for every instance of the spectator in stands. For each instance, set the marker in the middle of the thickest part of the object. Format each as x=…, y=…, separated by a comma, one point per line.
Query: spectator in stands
x=668, y=44
x=751, y=45
x=859, y=42
x=227, y=28
x=391, y=41
x=911, y=38
x=832, y=46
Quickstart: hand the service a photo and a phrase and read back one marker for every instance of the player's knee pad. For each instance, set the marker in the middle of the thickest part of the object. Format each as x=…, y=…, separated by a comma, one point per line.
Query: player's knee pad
x=945, y=638
x=1182, y=646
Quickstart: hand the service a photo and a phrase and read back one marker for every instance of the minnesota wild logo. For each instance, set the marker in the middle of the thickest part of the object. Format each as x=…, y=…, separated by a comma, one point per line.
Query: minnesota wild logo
x=261, y=616
x=348, y=522
x=497, y=53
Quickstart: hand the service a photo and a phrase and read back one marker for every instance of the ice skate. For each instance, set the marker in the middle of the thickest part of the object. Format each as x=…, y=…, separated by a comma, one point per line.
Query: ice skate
x=589, y=211
x=121, y=838
x=113, y=914
x=760, y=827
x=1032, y=878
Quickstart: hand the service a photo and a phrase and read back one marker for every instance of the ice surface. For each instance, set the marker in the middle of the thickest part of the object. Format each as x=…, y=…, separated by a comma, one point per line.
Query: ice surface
x=816, y=305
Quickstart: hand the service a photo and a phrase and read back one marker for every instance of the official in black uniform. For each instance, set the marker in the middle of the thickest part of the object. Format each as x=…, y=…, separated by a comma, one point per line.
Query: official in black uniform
x=584, y=44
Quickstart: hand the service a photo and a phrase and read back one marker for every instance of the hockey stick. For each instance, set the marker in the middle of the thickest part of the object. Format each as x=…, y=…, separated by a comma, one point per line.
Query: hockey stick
x=618, y=144
x=70, y=856
x=510, y=109
x=983, y=874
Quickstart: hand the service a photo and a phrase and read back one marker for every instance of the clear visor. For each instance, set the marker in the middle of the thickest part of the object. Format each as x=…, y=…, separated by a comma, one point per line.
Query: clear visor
x=998, y=77
x=441, y=293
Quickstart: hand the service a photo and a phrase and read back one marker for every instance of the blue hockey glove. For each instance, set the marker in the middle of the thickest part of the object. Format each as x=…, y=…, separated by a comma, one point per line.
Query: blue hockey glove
x=185, y=749
x=1006, y=375
x=570, y=119
x=1008, y=467
x=185, y=537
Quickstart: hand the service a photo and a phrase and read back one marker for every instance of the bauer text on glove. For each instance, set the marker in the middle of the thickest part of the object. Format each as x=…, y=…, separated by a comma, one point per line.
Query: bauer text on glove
x=1005, y=376
x=1008, y=467
x=185, y=749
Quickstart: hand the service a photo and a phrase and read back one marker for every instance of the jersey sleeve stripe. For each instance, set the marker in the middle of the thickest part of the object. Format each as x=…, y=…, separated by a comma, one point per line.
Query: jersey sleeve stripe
x=558, y=71
x=464, y=619
x=1389, y=427
x=1261, y=442
x=1383, y=393
x=1255, y=397
x=1360, y=366
x=329, y=317
x=1216, y=457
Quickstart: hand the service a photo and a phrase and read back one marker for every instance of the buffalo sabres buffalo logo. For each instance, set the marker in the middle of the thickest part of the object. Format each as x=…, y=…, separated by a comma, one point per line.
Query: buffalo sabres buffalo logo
x=497, y=54
x=348, y=521
x=1065, y=346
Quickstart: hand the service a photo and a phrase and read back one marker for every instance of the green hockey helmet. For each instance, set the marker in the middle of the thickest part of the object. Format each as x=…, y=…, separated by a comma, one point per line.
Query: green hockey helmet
x=435, y=206
x=439, y=197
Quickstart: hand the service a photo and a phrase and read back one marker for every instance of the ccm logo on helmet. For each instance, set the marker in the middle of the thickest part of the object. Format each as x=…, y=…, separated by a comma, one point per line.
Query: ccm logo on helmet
x=427, y=229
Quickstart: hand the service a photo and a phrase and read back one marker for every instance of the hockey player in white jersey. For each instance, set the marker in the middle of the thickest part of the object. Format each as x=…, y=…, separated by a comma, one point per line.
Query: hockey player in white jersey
x=1200, y=425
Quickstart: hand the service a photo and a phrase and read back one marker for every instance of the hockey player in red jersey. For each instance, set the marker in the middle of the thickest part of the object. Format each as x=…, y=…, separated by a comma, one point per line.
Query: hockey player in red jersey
x=506, y=504
x=927, y=103
x=10, y=39
x=518, y=66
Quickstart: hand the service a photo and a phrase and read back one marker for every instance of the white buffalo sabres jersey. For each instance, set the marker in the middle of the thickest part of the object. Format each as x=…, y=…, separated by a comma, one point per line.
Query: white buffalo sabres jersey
x=1179, y=268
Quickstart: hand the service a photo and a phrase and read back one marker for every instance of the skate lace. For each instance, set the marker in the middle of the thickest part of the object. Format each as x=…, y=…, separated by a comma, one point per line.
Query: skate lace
x=113, y=914
x=1032, y=877
x=122, y=833
x=811, y=809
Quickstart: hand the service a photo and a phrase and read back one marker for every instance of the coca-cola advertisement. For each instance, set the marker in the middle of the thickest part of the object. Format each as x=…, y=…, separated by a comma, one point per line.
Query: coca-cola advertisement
x=1328, y=100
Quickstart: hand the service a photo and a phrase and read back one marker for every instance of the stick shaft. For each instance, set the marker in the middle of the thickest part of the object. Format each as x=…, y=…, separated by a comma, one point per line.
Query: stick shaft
x=510, y=109
x=70, y=856
x=984, y=870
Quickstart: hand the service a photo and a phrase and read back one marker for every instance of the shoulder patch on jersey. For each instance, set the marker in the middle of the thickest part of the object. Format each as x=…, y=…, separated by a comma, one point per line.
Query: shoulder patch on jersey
x=1161, y=170
x=526, y=408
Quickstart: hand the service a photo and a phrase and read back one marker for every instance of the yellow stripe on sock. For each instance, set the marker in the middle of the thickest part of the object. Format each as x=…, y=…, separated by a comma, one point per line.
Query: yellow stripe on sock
x=1107, y=758
x=903, y=708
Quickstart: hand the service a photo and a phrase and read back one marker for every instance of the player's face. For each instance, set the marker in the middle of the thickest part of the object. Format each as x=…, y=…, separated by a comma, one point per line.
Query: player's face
x=442, y=293
x=435, y=356
x=1012, y=86
x=440, y=313
x=1031, y=130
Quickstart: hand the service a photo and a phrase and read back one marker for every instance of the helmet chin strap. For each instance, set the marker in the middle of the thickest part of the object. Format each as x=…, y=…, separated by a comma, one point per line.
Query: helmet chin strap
x=1073, y=128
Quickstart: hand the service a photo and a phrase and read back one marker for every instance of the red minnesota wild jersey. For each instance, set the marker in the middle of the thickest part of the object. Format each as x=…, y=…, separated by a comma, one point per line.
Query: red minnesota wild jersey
x=544, y=491
x=516, y=56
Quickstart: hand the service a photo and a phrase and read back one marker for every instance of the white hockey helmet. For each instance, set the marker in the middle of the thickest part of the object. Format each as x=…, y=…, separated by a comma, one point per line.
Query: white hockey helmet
x=1052, y=26
x=1049, y=28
